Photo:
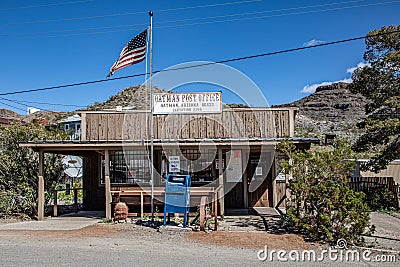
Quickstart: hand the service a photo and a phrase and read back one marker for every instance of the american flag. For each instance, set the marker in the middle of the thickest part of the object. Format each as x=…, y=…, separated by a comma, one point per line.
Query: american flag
x=132, y=53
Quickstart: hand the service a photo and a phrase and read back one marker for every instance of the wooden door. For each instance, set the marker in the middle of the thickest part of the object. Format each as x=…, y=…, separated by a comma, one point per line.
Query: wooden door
x=259, y=182
x=234, y=192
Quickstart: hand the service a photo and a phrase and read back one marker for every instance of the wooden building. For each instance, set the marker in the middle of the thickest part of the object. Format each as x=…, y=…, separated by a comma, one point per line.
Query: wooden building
x=230, y=156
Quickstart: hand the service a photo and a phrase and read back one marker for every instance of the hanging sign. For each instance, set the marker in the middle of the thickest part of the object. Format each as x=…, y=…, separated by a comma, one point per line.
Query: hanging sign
x=187, y=103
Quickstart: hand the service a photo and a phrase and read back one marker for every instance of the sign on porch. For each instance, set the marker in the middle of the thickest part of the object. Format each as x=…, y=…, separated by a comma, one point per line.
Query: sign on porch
x=187, y=103
x=174, y=163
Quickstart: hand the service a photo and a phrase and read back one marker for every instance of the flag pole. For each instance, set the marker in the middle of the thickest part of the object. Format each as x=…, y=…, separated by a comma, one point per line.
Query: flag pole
x=151, y=116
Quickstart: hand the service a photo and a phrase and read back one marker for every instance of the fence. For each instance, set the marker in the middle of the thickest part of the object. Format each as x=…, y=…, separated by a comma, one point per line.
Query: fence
x=359, y=184
x=365, y=184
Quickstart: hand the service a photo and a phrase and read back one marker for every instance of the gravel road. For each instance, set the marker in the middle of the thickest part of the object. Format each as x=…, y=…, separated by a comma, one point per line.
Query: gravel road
x=125, y=245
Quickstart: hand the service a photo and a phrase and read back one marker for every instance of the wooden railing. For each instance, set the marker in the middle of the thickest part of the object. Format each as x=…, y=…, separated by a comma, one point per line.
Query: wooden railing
x=365, y=184
x=359, y=184
x=130, y=197
x=55, y=199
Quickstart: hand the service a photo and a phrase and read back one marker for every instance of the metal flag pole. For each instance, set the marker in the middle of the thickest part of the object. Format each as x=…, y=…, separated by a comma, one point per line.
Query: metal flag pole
x=151, y=117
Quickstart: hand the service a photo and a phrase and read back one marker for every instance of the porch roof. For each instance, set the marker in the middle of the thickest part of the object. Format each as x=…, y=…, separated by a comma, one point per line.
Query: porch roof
x=63, y=146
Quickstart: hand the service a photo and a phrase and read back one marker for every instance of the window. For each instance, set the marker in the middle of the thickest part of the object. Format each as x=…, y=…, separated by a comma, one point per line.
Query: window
x=66, y=127
x=128, y=167
x=198, y=163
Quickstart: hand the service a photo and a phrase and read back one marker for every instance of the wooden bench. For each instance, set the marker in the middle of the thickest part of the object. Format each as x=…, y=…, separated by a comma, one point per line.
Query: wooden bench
x=141, y=196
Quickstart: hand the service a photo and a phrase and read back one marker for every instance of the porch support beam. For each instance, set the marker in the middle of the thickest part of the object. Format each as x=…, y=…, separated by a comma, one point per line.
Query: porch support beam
x=274, y=184
x=245, y=179
x=221, y=193
x=291, y=120
x=107, y=184
x=41, y=186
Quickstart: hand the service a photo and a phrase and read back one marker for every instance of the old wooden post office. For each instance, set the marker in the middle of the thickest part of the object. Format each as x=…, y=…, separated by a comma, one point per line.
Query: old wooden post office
x=230, y=156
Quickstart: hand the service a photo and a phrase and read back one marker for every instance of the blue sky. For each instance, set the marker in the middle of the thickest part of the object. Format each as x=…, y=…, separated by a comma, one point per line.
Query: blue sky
x=49, y=43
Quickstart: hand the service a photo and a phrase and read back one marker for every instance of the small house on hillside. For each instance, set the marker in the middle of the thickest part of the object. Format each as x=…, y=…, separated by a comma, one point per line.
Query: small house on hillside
x=72, y=125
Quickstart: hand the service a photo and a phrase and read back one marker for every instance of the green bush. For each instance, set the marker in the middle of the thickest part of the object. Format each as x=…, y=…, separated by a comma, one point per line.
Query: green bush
x=380, y=198
x=322, y=206
x=19, y=168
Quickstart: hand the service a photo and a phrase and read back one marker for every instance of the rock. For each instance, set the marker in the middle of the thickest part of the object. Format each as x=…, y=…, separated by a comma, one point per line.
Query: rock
x=332, y=108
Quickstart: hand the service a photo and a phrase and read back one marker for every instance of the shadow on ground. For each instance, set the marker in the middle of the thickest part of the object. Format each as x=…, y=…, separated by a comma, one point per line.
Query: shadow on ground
x=264, y=220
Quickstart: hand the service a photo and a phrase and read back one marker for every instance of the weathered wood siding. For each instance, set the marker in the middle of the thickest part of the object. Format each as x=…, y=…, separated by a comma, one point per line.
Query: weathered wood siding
x=232, y=123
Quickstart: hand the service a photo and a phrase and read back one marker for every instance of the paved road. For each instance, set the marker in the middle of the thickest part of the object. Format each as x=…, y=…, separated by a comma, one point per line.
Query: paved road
x=387, y=234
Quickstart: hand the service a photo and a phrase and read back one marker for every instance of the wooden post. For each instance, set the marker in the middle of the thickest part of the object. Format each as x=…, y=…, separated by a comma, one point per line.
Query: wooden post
x=141, y=205
x=76, y=199
x=55, y=212
x=107, y=183
x=245, y=179
x=221, y=183
x=83, y=126
x=41, y=186
x=215, y=203
x=291, y=120
x=274, y=174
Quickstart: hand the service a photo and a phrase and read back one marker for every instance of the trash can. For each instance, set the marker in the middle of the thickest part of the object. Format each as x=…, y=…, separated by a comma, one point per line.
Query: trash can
x=177, y=196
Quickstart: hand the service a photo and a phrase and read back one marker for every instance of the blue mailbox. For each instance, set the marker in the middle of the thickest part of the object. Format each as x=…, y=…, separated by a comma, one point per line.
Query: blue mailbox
x=177, y=195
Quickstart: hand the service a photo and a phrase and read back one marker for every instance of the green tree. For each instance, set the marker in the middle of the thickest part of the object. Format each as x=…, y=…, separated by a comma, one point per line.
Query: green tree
x=19, y=167
x=379, y=82
x=322, y=206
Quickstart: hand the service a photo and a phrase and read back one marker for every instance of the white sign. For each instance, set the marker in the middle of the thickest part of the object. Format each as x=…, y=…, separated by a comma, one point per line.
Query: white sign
x=281, y=178
x=187, y=103
x=174, y=163
x=259, y=171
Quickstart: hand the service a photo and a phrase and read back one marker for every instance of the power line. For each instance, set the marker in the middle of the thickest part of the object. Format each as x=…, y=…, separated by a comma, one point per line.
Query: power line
x=21, y=102
x=197, y=65
x=130, y=13
x=11, y=106
x=279, y=15
x=37, y=35
x=196, y=18
x=264, y=11
x=210, y=5
x=17, y=102
x=46, y=5
x=47, y=103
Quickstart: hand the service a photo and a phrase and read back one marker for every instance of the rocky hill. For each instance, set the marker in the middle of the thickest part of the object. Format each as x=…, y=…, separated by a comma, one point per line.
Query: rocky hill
x=9, y=114
x=134, y=97
x=331, y=109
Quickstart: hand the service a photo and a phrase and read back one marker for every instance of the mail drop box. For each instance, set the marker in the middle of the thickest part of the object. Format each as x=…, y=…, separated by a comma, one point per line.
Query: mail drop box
x=177, y=195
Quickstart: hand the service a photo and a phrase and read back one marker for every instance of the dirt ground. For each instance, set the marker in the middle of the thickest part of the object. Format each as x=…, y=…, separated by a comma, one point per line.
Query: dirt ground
x=253, y=232
x=253, y=240
x=108, y=244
